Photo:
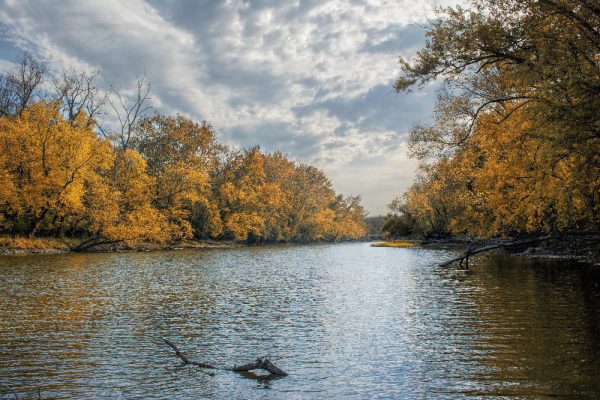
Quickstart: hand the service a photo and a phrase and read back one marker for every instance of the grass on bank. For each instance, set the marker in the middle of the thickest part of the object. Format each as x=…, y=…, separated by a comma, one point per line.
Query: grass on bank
x=26, y=243
x=395, y=243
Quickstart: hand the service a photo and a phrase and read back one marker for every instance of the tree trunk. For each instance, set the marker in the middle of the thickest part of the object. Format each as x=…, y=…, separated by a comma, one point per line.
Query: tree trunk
x=36, y=223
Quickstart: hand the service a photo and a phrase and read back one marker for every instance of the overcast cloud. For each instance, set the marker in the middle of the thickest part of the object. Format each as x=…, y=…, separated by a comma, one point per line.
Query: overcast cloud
x=310, y=78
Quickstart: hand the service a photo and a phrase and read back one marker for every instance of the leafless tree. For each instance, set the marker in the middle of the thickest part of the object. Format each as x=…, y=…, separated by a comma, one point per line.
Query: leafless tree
x=129, y=111
x=78, y=94
x=21, y=86
x=7, y=95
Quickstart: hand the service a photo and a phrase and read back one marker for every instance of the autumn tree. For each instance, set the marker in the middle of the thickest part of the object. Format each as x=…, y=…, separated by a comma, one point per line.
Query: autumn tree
x=47, y=164
x=513, y=146
x=266, y=197
x=501, y=55
x=245, y=195
x=182, y=157
x=143, y=178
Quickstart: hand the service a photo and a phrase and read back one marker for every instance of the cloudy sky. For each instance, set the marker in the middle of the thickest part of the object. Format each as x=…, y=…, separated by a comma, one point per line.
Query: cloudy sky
x=310, y=78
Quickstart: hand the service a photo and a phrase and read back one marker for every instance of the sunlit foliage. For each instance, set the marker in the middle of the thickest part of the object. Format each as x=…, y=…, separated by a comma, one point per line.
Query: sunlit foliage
x=514, y=144
x=266, y=197
x=154, y=179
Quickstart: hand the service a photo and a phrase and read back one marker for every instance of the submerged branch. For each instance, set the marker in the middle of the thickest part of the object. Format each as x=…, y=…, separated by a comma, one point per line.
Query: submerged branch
x=259, y=363
x=186, y=360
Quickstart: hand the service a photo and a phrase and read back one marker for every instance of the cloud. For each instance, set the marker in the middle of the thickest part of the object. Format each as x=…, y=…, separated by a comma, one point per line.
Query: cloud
x=309, y=78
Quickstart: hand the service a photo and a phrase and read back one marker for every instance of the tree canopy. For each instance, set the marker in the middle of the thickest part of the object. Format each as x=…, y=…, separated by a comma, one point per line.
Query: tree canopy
x=514, y=143
x=150, y=178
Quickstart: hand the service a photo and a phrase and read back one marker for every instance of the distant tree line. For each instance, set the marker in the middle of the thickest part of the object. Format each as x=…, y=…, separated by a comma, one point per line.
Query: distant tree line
x=514, y=146
x=81, y=161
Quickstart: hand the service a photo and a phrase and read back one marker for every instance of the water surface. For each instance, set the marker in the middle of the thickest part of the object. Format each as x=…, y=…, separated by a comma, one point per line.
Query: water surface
x=345, y=321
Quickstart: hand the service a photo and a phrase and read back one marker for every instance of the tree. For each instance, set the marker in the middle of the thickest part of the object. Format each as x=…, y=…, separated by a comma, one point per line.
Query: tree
x=501, y=55
x=128, y=111
x=182, y=156
x=513, y=145
x=21, y=86
x=49, y=167
x=266, y=197
x=145, y=178
x=78, y=94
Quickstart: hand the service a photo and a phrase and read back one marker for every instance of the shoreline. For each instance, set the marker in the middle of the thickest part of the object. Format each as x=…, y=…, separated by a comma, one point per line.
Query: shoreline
x=16, y=245
x=11, y=245
x=556, y=249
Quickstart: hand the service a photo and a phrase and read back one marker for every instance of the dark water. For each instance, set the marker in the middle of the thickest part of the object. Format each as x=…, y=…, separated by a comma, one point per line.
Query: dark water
x=346, y=321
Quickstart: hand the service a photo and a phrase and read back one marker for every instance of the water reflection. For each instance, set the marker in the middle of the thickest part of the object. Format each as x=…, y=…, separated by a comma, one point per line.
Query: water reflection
x=538, y=328
x=344, y=320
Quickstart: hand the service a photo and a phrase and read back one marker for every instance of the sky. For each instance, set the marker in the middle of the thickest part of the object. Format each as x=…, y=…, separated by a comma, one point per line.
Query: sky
x=312, y=79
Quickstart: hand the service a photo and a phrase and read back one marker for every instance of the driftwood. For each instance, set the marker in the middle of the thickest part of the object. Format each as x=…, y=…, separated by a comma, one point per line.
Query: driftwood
x=472, y=249
x=259, y=363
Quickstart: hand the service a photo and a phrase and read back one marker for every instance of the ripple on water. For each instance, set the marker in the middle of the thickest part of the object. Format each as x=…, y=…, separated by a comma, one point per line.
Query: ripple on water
x=345, y=320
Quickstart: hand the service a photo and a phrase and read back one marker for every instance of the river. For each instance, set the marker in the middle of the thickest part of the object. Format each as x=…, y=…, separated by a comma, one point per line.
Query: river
x=344, y=320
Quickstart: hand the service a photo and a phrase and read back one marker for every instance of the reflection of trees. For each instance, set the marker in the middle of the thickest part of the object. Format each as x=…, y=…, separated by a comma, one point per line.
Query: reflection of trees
x=47, y=310
x=69, y=321
x=167, y=291
x=538, y=327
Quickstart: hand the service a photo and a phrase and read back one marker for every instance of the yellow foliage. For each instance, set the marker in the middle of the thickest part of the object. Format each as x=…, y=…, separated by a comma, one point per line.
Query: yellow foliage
x=58, y=178
x=267, y=197
x=143, y=224
x=513, y=145
x=507, y=181
x=242, y=224
x=46, y=164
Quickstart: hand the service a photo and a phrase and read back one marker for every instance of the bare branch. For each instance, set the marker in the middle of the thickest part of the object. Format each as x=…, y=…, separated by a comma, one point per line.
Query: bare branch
x=259, y=363
x=18, y=88
x=79, y=94
x=129, y=112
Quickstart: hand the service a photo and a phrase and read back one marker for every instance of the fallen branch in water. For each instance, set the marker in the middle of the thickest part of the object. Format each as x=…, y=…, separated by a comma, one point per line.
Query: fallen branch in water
x=472, y=251
x=259, y=363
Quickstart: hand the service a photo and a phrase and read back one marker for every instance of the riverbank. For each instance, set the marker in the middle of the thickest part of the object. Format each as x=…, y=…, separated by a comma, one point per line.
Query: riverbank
x=10, y=245
x=574, y=248
x=581, y=248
